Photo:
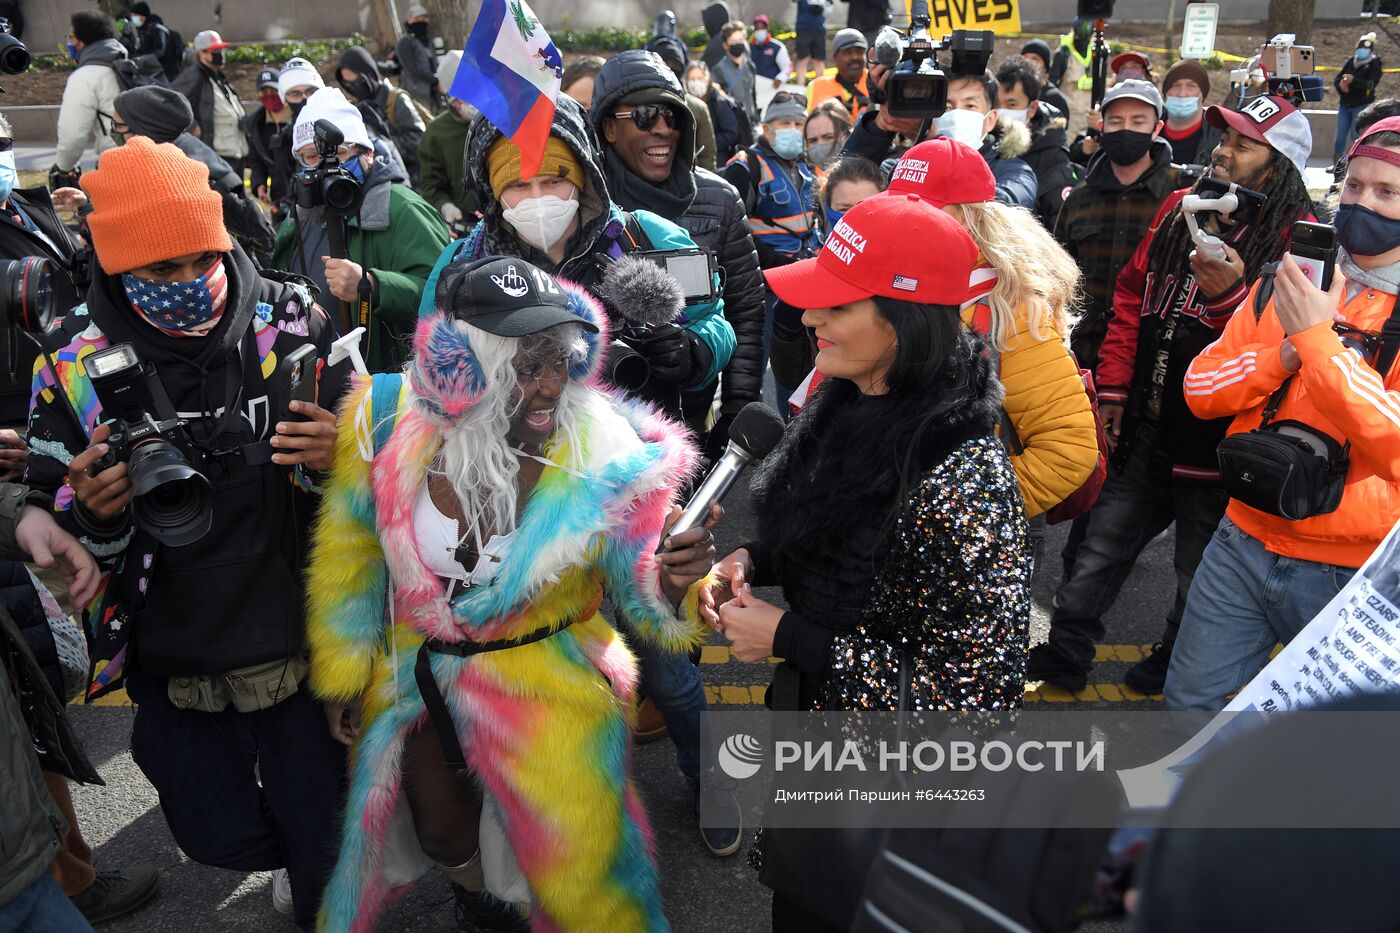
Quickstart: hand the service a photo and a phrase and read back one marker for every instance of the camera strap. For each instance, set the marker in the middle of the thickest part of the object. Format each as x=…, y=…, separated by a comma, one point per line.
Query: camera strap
x=259, y=452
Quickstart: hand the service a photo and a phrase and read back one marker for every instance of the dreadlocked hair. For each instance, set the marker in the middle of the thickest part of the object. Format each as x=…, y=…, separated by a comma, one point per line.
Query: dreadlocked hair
x=1286, y=199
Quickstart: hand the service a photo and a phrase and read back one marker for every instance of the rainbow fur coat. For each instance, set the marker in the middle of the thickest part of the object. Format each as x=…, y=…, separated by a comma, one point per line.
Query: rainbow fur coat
x=545, y=726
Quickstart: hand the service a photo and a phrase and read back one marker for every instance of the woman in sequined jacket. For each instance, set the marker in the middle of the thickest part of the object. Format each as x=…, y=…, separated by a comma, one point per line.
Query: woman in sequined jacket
x=889, y=514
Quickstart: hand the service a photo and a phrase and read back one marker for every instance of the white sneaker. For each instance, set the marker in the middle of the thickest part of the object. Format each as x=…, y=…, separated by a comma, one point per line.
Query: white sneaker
x=281, y=892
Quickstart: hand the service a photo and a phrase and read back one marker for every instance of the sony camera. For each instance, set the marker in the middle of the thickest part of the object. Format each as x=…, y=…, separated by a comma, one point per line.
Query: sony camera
x=329, y=184
x=917, y=86
x=26, y=294
x=171, y=497
x=14, y=57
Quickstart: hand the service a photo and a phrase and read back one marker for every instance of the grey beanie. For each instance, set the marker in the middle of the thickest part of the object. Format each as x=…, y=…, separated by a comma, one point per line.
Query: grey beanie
x=157, y=112
x=785, y=107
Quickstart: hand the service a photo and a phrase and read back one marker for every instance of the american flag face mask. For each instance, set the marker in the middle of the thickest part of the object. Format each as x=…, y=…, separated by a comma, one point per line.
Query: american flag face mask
x=181, y=309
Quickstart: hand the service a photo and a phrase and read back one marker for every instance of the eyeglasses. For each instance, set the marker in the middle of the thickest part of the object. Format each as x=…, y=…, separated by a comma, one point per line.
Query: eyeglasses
x=646, y=115
x=344, y=152
x=537, y=370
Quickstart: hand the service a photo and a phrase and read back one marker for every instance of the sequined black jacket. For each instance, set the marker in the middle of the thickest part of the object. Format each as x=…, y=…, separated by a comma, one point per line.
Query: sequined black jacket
x=942, y=569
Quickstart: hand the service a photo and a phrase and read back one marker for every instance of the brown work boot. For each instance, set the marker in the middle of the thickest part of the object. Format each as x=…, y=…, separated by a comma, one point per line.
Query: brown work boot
x=649, y=725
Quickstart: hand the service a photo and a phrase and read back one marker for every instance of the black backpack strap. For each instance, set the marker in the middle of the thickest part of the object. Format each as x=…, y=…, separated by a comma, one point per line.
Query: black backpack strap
x=1265, y=291
x=1390, y=340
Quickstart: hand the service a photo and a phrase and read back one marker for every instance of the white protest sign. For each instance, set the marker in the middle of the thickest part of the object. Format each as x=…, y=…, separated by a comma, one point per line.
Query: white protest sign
x=1198, y=30
x=1352, y=646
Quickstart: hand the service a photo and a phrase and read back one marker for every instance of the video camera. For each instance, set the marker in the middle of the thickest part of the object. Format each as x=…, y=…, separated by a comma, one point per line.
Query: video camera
x=171, y=497
x=918, y=86
x=329, y=184
x=1287, y=70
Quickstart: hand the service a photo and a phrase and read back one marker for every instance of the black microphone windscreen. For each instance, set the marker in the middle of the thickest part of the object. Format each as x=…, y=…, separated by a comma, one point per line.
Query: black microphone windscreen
x=757, y=428
x=642, y=292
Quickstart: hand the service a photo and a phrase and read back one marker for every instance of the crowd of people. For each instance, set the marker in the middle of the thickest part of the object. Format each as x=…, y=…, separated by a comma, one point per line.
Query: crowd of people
x=424, y=609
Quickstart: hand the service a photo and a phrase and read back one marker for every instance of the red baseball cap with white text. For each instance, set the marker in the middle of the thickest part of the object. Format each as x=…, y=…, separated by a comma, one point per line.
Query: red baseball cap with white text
x=1272, y=121
x=943, y=171
x=869, y=253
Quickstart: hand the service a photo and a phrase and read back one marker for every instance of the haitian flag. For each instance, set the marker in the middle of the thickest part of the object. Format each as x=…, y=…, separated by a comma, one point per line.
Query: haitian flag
x=510, y=71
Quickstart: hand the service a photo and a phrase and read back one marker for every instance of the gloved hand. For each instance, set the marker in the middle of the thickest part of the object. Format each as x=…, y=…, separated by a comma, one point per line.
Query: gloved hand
x=450, y=212
x=716, y=440
x=58, y=178
x=667, y=350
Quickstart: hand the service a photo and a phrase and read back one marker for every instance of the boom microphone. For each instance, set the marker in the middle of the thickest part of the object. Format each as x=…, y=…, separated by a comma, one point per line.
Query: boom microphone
x=756, y=431
x=642, y=292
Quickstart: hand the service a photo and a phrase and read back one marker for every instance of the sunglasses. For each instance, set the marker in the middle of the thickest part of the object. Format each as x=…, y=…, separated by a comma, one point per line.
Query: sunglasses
x=646, y=115
x=6, y=144
x=782, y=97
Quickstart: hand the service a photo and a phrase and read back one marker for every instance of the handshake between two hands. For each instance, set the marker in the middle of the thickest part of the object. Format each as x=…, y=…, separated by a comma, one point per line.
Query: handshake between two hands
x=728, y=605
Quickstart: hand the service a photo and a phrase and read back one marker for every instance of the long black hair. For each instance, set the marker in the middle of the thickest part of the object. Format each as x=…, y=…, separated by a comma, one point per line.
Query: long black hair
x=1286, y=200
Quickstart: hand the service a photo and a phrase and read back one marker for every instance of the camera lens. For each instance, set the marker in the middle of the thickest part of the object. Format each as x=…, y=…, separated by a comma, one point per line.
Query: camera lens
x=340, y=194
x=170, y=499
x=14, y=57
x=627, y=369
x=26, y=293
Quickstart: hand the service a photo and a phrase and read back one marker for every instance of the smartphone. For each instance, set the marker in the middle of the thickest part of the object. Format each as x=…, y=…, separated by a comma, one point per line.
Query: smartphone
x=296, y=379
x=693, y=268
x=1251, y=203
x=1314, y=247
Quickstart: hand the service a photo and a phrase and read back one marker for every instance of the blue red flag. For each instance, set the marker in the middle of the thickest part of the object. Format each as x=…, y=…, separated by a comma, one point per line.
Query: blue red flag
x=510, y=71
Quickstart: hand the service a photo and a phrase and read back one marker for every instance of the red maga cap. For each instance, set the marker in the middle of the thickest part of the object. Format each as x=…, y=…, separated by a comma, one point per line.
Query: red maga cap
x=942, y=171
x=896, y=245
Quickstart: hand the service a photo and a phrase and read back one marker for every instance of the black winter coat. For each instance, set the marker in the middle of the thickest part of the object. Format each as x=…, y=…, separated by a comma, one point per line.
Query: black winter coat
x=716, y=222
x=1048, y=157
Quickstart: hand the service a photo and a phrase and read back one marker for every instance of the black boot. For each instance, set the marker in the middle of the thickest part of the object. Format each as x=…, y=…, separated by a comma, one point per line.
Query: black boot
x=479, y=912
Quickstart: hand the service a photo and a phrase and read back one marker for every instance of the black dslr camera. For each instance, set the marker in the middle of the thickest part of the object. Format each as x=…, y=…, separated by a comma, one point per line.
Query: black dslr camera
x=917, y=86
x=26, y=294
x=14, y=57
x=329, y=184
x=171, y=497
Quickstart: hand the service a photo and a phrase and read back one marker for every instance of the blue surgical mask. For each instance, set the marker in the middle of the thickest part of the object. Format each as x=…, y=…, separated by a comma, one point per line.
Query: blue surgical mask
x=788, y=143
x=8, y=176
x=1183, y=107
x=1362, y=55
x=760, y=36
x=357, y=168
x=1363, y=232
x=72, y=51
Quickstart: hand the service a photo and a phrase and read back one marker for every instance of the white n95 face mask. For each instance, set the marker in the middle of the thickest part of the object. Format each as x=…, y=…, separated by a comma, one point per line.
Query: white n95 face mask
x=962, y=126
x=1015, y=116
x=541, y=221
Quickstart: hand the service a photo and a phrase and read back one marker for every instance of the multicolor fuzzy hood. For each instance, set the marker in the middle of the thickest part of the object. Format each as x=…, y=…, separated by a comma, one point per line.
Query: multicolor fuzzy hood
x=447, y=379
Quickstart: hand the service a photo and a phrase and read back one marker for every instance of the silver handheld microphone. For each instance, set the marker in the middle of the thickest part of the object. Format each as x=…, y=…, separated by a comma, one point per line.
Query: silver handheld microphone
x=755, y=431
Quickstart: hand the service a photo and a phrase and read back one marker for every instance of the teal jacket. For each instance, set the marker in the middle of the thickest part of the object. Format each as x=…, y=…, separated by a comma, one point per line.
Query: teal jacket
x=704, y=319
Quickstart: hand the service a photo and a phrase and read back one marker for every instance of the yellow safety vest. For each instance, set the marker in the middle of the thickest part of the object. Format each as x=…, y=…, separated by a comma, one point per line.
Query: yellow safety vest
x=1086, y=80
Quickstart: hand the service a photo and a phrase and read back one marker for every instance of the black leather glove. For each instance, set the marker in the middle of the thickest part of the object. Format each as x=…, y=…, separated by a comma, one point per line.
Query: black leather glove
x=716, y=441
x=667, y=350
x=58, y=178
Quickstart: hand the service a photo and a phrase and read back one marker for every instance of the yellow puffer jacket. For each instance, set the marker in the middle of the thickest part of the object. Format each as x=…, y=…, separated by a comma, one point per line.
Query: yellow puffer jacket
x=1049, y=409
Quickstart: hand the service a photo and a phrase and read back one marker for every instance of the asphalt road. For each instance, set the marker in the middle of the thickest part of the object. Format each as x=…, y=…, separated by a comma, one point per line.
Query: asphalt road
x=123, y=822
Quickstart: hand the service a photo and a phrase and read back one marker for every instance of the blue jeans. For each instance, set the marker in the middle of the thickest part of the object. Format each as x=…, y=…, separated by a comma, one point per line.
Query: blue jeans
x=1244, y=601
x=43, y=908
x=1346, y=119
x=1138, y=502
x=673, y=684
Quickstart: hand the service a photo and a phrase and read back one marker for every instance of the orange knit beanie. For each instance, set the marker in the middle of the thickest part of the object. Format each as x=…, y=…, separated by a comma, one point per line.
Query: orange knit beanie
x=151, y=202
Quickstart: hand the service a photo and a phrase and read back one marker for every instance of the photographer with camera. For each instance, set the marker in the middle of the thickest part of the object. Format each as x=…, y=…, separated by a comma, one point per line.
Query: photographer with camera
x=358, y=231
x=29, y=226
x=650, y=166
x=971, y=118
x=178, y=446
x=1319, y=365
x=1172, y=299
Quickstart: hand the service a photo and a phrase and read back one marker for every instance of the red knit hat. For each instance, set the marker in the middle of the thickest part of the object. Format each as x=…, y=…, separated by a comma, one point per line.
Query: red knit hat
x=150, y=202
x=868, y=254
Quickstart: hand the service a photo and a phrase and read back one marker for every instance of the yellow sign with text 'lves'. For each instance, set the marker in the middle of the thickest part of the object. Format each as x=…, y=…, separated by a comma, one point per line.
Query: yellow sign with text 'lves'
x=1000, y=16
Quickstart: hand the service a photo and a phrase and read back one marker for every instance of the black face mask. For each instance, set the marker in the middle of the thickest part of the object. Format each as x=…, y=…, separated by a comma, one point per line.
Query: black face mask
x=296, y=109
x=736, y=49
x=418, y=30
x=1124, y=147
x=1363, y=232
x=358, y=89
x=216, y=59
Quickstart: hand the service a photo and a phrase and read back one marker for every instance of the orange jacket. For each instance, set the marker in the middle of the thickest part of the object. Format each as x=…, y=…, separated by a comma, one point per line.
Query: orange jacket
x=1336, y=392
